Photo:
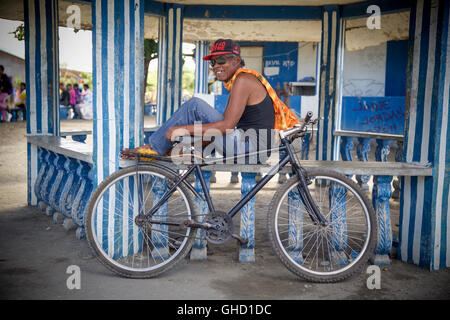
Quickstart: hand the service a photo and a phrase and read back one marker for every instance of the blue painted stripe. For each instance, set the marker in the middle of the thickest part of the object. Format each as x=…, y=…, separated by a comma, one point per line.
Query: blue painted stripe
x=331, y=28
x=132, y=72
x=94, y=88
x=119, y=77
x=170, y=62
x=37, y=65
x=27, y=65
x=440, y=256
x=201, y=68
x=140, y=138
x=104, y=69
x=49, y=53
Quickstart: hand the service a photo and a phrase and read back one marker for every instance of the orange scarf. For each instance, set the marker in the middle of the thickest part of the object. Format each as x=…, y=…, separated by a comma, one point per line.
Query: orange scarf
x=284, y=118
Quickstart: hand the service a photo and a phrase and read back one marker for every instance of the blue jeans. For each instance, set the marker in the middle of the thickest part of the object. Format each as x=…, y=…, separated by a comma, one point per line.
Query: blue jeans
x=197, y=110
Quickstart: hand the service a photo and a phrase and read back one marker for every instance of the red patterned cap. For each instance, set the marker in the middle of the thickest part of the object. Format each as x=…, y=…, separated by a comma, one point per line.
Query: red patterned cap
x=223, y=46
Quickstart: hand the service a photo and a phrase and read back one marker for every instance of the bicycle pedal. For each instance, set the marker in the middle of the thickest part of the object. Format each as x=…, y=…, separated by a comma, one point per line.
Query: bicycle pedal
x=241, y=240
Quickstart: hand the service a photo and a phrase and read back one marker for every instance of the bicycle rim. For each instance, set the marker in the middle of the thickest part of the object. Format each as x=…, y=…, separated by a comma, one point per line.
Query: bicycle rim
x=313, y=251
x=135, y=249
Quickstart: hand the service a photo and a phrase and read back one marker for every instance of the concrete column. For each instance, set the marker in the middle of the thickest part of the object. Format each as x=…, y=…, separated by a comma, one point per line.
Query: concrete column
x=331, y=47
x=424, y=201
x=118, y=42
x=42, y=78
x=118, y=69
x=169, y=62
x=201, y=67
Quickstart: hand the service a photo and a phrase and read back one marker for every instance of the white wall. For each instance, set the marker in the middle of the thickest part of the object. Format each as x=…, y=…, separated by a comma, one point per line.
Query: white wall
x=13, y=68
x=365, y=71
x=307, y=67
x=307, y=52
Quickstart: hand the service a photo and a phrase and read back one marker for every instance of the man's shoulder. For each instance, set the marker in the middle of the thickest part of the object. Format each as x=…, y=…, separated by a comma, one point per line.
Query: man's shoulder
x=246, y=77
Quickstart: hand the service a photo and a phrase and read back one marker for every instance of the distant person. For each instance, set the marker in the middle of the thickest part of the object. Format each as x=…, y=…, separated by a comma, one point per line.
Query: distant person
x=77, y=93
x=72, y=101
x=64, y=96
x=21, y=101
x=73, y=98
x=5, y=90
x=84, y=109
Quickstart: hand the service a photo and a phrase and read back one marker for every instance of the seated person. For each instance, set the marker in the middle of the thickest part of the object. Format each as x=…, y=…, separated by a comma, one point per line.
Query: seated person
x=64, y=99
x=84, y=108
x=250, y=106
x=21, y=100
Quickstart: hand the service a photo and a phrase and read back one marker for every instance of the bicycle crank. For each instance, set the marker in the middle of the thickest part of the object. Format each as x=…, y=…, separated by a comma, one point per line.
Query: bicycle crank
x=221, y=229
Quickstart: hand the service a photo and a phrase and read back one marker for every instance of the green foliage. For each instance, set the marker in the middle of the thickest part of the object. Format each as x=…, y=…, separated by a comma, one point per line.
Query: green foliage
x=86, y=77
x=150, y=49
x=188, y=80
x=19, y=33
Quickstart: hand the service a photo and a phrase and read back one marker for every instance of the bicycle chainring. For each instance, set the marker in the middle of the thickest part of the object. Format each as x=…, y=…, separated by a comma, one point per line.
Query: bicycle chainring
x=222, y=227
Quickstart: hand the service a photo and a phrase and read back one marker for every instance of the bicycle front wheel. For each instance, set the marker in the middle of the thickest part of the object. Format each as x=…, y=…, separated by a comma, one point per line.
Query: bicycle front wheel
x=128, y=246
x=322, y=253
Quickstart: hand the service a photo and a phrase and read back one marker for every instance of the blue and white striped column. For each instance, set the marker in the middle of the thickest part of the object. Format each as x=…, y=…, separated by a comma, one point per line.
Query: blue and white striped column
x=118, y=69
x=170, y=63
x=424, y=201
x=328, y=86
x=42, y=78
x=201, y=67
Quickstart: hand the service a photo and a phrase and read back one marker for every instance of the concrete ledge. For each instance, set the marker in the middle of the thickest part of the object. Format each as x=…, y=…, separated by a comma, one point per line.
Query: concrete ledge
x=373, y=135
x=344, y=167
x=69, y=148
x=74, y=133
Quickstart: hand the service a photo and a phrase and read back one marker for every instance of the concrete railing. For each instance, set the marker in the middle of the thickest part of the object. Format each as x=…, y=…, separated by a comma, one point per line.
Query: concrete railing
x=65, y=180
x=65, y=183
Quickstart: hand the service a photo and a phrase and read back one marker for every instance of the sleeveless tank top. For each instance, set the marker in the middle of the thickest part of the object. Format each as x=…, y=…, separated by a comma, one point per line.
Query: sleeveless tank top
x=258, y=116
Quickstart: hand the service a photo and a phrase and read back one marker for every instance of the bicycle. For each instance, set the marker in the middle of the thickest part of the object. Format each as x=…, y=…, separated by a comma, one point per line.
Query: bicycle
x=140, y=221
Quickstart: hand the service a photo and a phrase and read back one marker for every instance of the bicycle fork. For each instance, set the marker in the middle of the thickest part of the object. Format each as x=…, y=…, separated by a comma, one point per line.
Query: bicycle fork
x=311, y=207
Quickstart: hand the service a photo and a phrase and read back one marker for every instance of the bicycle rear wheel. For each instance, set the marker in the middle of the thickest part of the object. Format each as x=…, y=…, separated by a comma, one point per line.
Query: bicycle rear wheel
x=323, y=253
x=124, y=244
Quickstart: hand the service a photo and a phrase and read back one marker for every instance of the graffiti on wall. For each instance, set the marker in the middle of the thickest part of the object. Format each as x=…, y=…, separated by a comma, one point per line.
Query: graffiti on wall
x=373, y=114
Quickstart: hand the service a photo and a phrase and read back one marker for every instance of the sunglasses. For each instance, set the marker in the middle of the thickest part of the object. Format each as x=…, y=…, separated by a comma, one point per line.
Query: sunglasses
x=220, y=60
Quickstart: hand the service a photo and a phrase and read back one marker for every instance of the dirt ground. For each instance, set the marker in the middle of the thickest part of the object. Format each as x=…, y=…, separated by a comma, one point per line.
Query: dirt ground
x=35, y=253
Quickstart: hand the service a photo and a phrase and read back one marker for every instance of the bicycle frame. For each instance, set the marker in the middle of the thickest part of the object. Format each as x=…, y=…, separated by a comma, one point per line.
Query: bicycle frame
x=305, y=196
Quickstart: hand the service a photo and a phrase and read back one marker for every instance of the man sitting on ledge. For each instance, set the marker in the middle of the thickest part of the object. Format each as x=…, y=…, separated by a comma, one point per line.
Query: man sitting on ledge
x=252, y=104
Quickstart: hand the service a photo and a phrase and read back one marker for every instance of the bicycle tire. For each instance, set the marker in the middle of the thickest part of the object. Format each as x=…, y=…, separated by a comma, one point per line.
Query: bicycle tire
x=123, y=256
x=336, y=256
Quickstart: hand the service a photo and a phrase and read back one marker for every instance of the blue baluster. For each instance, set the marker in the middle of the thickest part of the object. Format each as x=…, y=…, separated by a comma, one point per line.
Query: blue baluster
x=306, y=144
x=381, y=193
x=159, y=237
x=56, y=187
x=398, y=158
x=199, y=250
x=43, y=166
x=68, y=195
x=282, y=176
x=338, y=207
x=234, y=177
x=247, y=251
x=295, y=218
x=80, y=202
x=70, y=167
x=46, y=185
x=362, y=152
